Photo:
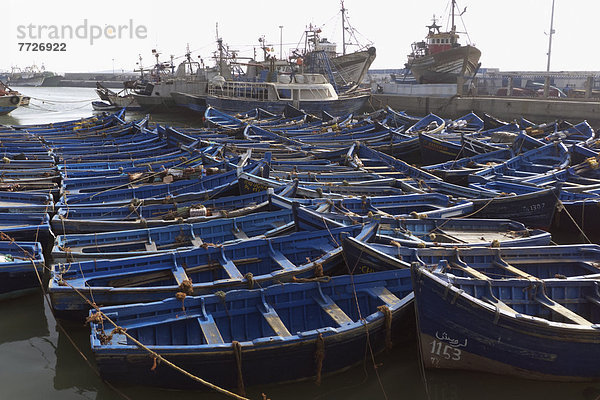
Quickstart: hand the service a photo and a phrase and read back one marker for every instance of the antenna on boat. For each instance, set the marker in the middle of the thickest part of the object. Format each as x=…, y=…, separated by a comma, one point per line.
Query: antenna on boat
x=141, y=66
x=552, y=32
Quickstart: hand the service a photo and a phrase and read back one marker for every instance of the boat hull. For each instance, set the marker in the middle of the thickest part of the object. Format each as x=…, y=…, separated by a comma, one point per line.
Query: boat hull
x=535, y=209
x=342, y=106
x=456, y=332
x=446, y=66
x=9, y=103
x=266, y=356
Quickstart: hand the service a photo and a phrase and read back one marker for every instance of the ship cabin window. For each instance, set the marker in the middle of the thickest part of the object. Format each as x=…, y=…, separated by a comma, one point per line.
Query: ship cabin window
x=307, y=94
x=284, y=94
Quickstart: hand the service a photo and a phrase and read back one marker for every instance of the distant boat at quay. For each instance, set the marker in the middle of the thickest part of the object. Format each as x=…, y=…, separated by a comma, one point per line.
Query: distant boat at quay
x=310, y=92
x=440, y=58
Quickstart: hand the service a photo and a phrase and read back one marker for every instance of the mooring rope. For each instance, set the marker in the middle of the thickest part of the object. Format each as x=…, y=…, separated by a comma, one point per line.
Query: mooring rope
x=237, y=351
x=319, y=357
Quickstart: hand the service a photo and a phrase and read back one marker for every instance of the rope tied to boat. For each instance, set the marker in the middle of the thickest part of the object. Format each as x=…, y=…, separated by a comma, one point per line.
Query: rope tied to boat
x=105, y=339
x=387, y=321
x=592, y=162
x=187, y=286
x=6, y=160
x=95, y=318
x=249, y=277
x=181, y=296
x=135, y=203
x=416, y=215
x=221, y=295
x=323, y=279
x=319, y=357
x=318, y=270
x=237, y=351
x=155, y=362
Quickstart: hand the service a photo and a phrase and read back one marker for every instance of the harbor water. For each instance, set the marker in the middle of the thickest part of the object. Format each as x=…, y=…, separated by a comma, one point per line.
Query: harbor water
x=40, y=361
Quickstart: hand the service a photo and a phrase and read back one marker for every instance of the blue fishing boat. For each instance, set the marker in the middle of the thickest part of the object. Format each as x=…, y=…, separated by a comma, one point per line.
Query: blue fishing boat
x=445, y=145
x=304, y=330
x=201, y=270
x=528, y=204
x=183, y=190
x=553, y=156
x=364, y=254
x=428, y=232
x=139, y=242
x=26, y=202
x=458, y=171
x=523, y=327
x=18, y=264
x=430, y=123
x=137, y=215
x=33, y=227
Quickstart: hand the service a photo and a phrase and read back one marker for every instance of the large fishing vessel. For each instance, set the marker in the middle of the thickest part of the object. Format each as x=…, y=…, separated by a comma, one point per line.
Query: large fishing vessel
x=345, y=71
x=440, y=58
x=31, y=76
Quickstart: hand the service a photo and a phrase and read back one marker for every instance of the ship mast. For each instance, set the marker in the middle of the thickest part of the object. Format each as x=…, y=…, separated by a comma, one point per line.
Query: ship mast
x=220, y=46
x=550, y=36
x=343, y=28
x=453, y=25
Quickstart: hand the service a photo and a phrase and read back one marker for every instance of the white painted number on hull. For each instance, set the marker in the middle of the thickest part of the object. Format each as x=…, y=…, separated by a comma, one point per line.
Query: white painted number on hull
x=439, y=349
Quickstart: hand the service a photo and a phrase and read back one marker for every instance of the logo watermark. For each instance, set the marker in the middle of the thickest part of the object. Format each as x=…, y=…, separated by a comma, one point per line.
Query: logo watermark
x=85, y=30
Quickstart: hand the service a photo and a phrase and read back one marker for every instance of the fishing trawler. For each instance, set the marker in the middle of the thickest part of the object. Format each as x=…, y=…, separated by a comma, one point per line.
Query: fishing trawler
x=190, y=77
x=31, y=76
x=440, y=58
x=345, y=71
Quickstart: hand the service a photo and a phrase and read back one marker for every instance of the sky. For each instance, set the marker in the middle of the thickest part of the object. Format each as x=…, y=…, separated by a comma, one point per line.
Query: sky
x=511, y=34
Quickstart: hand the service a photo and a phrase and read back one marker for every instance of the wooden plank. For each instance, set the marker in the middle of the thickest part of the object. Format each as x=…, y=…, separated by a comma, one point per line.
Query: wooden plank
x=385, y=295
x=239, y=234
x=79, y=249
x=500, y=304
x=230, y=268
x=281, y=260
x=179, y=274
x=333, y=310
x=562, y=310
x=514, y=270
x=210, y=330
x=274, y=321
x=151, y=246
x=470, y=270
x=197, y=242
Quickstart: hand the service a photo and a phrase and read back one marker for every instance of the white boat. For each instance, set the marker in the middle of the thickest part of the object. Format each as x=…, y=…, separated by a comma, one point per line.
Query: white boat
x=311, y=93
x=9, y=99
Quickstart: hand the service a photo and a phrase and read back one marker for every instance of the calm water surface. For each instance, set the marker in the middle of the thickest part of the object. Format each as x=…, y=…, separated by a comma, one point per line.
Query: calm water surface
x=37, y=361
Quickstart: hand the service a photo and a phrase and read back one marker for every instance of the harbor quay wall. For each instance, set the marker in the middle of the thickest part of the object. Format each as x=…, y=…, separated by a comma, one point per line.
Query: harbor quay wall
x=506, y=108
